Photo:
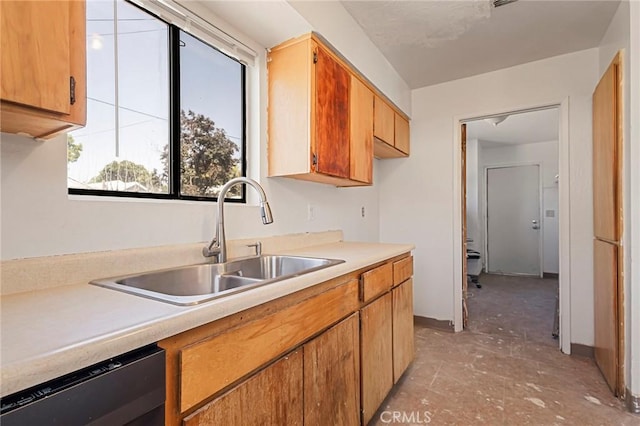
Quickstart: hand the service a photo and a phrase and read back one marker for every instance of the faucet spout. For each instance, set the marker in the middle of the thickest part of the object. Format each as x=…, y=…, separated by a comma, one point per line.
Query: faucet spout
x=218, y=245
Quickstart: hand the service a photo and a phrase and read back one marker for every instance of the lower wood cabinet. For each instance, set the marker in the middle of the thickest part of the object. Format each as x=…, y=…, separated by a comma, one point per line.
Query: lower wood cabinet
x=377, y=354
x=332, y=376
x=403, y=349
x=271, y=397
x=328, y=354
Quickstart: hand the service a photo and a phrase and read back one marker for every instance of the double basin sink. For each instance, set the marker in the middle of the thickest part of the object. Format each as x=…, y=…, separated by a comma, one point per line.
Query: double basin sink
x=190, y=285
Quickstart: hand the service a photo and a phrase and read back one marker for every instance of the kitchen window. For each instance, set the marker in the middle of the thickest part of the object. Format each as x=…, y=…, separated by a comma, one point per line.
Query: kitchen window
x=165, y=111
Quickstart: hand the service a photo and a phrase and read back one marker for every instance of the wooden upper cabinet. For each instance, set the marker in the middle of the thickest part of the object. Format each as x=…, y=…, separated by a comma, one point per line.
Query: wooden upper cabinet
x=43, y=79
x=325, y=117
x=331, y=116
x=390, y=131
x=401, y=134
x=361, y=114
x=383, y=122
x=309, y=131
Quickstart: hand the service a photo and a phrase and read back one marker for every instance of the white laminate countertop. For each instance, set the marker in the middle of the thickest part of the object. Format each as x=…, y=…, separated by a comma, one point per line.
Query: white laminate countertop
x=52, y=332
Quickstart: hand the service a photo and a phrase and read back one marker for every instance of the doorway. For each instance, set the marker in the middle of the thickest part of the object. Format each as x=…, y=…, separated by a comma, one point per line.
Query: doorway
x=513, y=220
x=511, y=210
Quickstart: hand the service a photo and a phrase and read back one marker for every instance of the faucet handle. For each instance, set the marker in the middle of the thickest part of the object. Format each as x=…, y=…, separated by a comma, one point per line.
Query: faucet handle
x=212, y=249
x=258, y=246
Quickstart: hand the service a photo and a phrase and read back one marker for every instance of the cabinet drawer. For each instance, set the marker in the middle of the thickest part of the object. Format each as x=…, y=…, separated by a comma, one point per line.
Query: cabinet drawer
x=402, y=270
x=376, y=281
x=209, y=366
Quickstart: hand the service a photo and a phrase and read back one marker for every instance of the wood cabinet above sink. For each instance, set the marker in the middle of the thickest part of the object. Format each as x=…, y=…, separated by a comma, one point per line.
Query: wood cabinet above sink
x=322, y=116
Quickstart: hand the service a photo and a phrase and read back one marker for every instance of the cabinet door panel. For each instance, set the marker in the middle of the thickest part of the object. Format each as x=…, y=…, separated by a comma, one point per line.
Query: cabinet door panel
x=271, y=397
x=401, y=134
x=361, y=122
x=403, y=350
x=332, y=376
x=36, y=54
x=376, y=354
x=332, y=116
x=383, y=123
x=606, y=161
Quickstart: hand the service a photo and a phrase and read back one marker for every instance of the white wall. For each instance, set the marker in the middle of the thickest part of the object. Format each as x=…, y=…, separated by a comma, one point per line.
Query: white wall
x=333, y=21
x=39, y=218
x=420, y=195
x=545, y=154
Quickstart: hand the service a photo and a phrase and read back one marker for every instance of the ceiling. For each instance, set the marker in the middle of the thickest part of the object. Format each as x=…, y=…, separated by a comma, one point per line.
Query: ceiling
x=520, y=128
x=430, y=42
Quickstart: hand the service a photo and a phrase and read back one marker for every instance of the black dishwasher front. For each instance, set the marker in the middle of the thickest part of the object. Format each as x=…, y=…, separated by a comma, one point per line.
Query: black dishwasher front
x=125, y=390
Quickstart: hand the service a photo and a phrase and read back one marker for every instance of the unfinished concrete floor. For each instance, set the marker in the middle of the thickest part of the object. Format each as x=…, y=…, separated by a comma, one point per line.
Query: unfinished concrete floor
x=505, y=370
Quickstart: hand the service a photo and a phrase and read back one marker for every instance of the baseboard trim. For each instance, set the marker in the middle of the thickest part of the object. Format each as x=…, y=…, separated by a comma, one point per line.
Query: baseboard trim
x=436, y=324
x=581, y=350
x=550, y=275
x=633, y=402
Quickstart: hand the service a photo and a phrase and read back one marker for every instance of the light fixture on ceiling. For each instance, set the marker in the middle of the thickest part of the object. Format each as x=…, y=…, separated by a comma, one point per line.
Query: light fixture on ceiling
x=495, y=120
x=498, y=3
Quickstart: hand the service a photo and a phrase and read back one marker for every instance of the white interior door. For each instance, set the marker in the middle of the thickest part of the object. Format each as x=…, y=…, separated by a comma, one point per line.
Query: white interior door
x=513, y=220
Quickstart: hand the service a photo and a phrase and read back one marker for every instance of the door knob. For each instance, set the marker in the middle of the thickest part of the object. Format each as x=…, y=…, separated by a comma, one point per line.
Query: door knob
x=535, y=224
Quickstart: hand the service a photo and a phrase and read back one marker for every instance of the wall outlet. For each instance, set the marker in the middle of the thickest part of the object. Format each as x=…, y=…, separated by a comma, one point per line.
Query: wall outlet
x=311, y=212
x=362, y=211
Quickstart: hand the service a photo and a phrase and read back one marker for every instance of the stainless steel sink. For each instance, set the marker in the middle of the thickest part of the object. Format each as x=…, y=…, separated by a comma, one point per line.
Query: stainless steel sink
x=190, y=285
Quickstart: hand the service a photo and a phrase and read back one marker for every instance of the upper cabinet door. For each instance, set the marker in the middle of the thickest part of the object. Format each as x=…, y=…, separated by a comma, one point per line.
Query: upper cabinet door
x=383, y=124
x=401, y=134
x=606, y=162
x=332, y=115
x=36, y=54
x=43, y=49
x=361, y=117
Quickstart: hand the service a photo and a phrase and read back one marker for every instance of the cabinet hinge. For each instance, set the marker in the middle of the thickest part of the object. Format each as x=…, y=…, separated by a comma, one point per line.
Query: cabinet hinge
x=315, y=57
x=72, y=90
x=314, y=160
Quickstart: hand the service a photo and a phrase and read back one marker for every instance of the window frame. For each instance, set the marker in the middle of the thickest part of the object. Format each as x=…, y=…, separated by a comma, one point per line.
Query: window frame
x=174, y=182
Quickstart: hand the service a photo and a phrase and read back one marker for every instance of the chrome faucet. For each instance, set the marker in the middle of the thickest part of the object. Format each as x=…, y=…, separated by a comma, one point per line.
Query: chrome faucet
x=218, y=245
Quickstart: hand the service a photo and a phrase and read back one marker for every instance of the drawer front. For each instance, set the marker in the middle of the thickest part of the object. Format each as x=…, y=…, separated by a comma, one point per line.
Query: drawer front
x=402, y=270
x=376, y=281
x=209, y=366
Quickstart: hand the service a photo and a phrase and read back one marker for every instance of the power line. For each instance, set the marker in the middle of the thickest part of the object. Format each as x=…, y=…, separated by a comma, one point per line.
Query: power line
x=126, y=32
x=127, y=109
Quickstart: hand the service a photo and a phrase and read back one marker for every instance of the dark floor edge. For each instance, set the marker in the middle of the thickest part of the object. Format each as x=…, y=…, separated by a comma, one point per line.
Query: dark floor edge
x=436, y=324
x=550, y=275
x=633, y=402
x=581, y=350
